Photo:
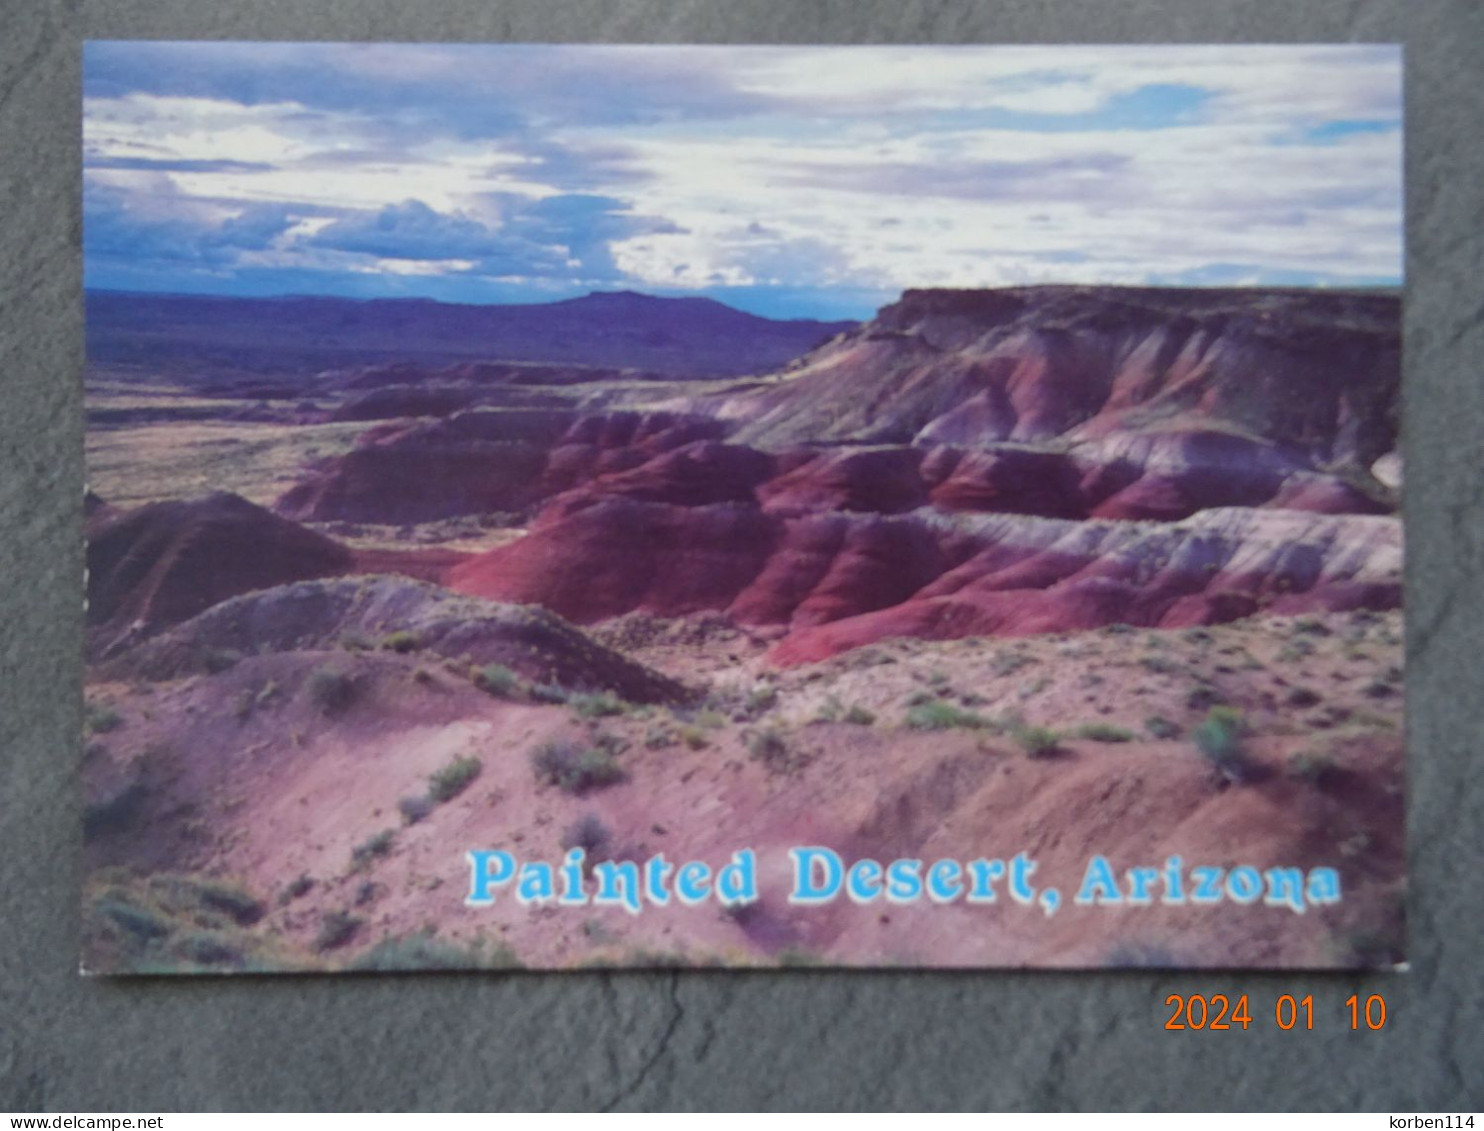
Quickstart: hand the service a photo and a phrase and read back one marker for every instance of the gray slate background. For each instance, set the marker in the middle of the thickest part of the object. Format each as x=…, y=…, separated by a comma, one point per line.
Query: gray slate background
x=739, y=1040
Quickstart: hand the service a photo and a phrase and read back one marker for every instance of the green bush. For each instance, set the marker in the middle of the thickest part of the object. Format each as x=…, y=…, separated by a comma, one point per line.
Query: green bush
x=1313, y=766
x=659, y=736
x=574, y=769
x=597, y=705
x=299, y=886
x=1161, y=727
x=769, y=747
x=1104, y=732
x=414, y=809
x=859, y=716
x=1037, y=742
x=101, y=719
x=549, y=693
x=447, y=783
x=402, y=641
x=218, y=660
x=761, y=698
x=331, y=690
x=1219, y=739
x=938, y=715
x=496, y=679
x=589, y=834
x=422, y=951
x=335, y=930
x=370, y=849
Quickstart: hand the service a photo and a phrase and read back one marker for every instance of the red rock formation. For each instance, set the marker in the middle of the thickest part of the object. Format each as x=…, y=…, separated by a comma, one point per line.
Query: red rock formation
x=165, y=562
x=839, y=580
x=1315, y=372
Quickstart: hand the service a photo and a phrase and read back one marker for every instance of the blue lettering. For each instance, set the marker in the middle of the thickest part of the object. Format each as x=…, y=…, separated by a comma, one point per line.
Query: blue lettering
x=807, y=889
x=1098, y=884
x=904, y=881
x=488, y=870
x=945, y=883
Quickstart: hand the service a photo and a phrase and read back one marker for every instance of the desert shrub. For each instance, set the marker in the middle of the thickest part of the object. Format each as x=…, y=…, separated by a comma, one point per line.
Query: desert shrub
x=574, y=769
x=231, y=900
x=597, y=705
x=207, y=948
x=299, y=886
x=367, y=892
x=335, y=930
x=401, y=641
x=829, y=711
x=659, y=736
x=451, y=780
x=140, y=924
x=918, y=698
x=1118, y=628
x=1104, y=732
x=937, y=715
x=101, y=719
x=496, y=679
x=1302, y=697
x=1202, y=696
x=1378, y=689
x=1311, y=626
x=694, y=737
x=761, y=698
x=1037, y=742
x=331, y=690
x=859, y=716
x=589, y=834
x=769, y=747
x=1161, y=665
x=218, y=660
x=1008, y=663
x=1161, y=727
x=370, y=849
x=242, y=706
x=422, y=951
x=1219, y=739
x=549, y=693
x=1295, y=650
x=414, y=809
x=711, y=720
x=1313, y=766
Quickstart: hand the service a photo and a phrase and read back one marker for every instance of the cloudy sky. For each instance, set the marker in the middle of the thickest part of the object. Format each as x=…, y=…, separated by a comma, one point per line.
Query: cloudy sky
x=787, y=181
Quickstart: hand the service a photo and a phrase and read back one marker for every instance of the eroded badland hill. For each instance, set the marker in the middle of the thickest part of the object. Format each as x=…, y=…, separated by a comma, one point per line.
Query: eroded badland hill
x=1058, y=571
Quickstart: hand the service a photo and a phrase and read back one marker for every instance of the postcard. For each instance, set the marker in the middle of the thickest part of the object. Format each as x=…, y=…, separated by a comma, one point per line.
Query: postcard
x=580, y=506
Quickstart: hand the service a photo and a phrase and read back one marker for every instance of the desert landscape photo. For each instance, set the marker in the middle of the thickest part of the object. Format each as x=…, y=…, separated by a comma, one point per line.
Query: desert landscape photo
x=600, y=455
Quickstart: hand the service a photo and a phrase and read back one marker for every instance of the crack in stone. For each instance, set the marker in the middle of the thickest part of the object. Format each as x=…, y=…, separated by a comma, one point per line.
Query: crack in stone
x=677, y=1012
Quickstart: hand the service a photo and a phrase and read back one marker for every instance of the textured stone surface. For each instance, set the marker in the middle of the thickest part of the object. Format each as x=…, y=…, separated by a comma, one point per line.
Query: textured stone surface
x=801, y=1039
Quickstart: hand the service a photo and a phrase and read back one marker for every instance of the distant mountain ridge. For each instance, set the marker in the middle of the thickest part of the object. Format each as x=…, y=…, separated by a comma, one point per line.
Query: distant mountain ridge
x=305, y=334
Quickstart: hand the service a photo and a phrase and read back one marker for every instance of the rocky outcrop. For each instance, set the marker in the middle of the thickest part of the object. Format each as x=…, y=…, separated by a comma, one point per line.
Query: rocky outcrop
x=163, y=563
x=837, y=580
x=362, y=612
x=1314, y=373
x=482, y=461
